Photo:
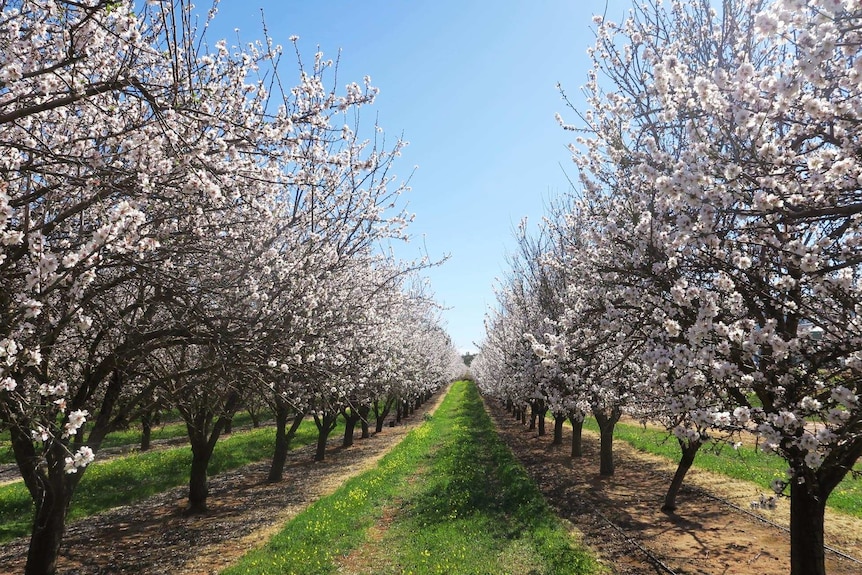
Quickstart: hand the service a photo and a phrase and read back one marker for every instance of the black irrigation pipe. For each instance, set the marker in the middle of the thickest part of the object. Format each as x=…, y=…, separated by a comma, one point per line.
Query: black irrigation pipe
x=704, y=493
x=649, y=554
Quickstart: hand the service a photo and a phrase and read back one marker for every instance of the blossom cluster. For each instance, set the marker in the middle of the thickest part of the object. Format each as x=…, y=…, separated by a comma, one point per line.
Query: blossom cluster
x=706, y=275
x=180, y=226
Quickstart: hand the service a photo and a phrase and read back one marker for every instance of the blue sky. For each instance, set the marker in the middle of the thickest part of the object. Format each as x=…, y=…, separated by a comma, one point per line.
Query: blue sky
x=471, y=84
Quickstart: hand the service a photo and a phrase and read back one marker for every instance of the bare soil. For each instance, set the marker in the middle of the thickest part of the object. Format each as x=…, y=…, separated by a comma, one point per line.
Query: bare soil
x=155, y=536
x=714, y=531
x=704, y=536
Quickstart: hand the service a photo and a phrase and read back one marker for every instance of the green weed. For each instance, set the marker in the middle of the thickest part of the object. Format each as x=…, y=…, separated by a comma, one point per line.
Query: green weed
x=461, y=504
x=135, y=477
x=745, y=463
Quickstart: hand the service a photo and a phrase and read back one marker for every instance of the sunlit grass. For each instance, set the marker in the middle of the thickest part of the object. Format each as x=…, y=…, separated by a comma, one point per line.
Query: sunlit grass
x=745, y=463
x=134, y=477
x=169, y=428
x=460, y=504
x=475, y=510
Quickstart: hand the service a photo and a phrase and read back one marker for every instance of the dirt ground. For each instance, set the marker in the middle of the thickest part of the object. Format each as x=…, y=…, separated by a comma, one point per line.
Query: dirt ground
x=704, y=536
x=155, y=537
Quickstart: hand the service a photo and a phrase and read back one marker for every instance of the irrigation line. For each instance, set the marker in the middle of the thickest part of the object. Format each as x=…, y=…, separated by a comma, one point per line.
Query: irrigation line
x=649, y=554
x=772, y=523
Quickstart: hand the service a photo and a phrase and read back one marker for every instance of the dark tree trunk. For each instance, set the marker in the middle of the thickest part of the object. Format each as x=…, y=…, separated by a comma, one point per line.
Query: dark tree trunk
x=198, y=483
x=399, y=411
x=607, y=422
x=203, y=444
x=542, y=412
x=351, y=418
x=523, y=416
x=146, y=430
x=50, y=487
x=228, y=426
x=364, y=412
x=55, y=491
x=46, y=536
x=807, y=509
x=509, y=406
x=689, y=450
x=559, y=420
x=254, y=414
x=283, y=438
x=325, y=424
x=534, y=415
x=381, y=412
x=577, y=429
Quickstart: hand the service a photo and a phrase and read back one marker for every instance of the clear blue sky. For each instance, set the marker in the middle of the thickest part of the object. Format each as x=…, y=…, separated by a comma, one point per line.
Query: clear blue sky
x=471, y=84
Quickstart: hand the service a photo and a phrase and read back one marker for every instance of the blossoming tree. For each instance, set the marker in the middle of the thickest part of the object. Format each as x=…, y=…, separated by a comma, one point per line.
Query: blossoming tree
x=738, y=130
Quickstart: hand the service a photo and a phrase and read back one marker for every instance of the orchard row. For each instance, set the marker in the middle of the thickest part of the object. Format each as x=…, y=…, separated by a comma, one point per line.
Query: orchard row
x=706, y=272
x=183, y=226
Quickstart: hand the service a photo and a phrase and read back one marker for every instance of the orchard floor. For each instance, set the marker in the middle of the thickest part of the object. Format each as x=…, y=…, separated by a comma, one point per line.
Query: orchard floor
x=704, y=536
x=156, y=537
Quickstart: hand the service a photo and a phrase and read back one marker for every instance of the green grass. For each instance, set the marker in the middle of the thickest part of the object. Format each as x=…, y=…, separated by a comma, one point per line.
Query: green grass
x=134, y=477
x=170, y=428
x=745, y=463
x=459, y=502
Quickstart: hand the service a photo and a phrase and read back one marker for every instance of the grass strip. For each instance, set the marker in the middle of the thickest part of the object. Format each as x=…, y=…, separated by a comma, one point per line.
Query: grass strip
x=462, y=503
x=137, y=476
x=169, y=429
x=745, y=463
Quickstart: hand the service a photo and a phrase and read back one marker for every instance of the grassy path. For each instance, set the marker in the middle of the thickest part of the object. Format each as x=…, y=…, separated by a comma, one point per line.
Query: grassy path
x=449, y=499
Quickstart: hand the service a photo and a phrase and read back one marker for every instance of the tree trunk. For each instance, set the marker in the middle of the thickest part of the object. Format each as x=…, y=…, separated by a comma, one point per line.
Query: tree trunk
x=559, y=420
x=55, y=494
x=577, y=428
x=254, y=414
x=282, y=441
x=398, y=412
x=46, y=538
x=325, y=425
x=607, y=422
x=807, y=555
x=146, y=430
x=523, y=416
x=351, y=418
x=381, y=412
x=203, y=444
x=542, y=412
x=364, y=412
x=198, y=485
x=534, y=415
x=689, y=450
x=50, y=487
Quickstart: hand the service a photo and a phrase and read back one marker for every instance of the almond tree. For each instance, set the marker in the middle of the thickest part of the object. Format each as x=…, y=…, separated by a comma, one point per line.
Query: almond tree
x=132, y=159
x=762, y=202
x=94, y=155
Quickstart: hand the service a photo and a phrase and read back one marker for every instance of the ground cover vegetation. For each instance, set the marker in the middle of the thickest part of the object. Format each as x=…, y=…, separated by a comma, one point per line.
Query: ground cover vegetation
x=186, y=225
x=131, y=478
x=740, y=461
x=140, y=436
x=450, y=498
x=705, y=273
